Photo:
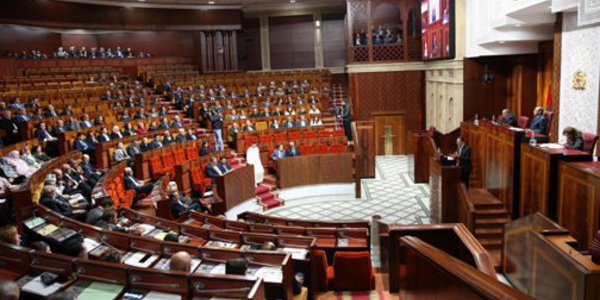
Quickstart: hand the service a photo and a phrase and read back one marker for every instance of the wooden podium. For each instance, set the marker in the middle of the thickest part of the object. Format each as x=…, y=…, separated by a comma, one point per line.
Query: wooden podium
x=314, y=169
x=424, y=149
x=236, y=186
x=444, y=181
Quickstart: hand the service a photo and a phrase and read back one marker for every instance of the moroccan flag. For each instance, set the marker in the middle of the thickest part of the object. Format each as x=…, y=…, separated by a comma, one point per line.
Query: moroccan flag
x=549, y=99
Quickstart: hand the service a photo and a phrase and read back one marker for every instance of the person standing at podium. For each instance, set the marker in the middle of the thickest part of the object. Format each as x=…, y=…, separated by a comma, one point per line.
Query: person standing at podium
x=463, y=156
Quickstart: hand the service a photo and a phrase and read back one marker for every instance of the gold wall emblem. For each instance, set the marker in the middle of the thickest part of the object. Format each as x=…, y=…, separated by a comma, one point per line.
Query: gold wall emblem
x=579, y=80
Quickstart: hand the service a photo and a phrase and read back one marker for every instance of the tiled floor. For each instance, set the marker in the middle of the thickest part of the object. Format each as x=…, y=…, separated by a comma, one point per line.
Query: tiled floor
x=392, y=195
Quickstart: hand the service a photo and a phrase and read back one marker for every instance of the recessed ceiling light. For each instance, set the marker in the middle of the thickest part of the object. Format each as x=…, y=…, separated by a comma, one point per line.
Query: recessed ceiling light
x=211, y=2
x=292, y=1
x=142, y=0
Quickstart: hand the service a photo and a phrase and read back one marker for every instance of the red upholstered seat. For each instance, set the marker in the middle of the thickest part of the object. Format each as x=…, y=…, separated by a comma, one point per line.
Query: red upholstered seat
x=306, y=149
x=199, y=182
x=294, y=136
x=310, y=134
x=251, y=140
x=320, y=149
x=319, y=268
x=168, y=163
x=191, y=153
x=589, y=142
x=339, y=132
x=523, y=122
x=265, y=139
x=548, y=115
x=352, y=271
x=337, y=148
x=279, y=138
x=156, y=167
x=323, y=134
x=179, y=157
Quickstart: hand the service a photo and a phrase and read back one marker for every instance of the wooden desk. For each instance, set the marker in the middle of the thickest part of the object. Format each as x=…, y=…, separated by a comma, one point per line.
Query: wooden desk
x=539, y=177
x=539, y=259
x=579, y=199
x=236, y=186
x=443, y=181
x=424, y=149
x=314, y=169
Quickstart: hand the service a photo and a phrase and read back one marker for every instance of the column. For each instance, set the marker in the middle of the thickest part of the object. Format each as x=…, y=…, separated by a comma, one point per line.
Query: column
x=264, y=43
x=319, y=64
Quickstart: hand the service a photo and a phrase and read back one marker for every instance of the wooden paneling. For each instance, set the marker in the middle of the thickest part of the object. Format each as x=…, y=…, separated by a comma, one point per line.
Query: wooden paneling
x=292, y=42
x=539, y=178
x=334, y=47
x=314, y=169
x=512, y=85
x=389, y=91
x=60, y=14
x=236, y=186
x=396, y=120
x=19, y=38
x=579, y=200
x=249, y=45
x=424, y=149
x=85, y=40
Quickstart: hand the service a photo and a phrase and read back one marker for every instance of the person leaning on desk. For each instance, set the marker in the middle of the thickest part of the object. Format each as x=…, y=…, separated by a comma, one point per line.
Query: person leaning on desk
x=574, y=138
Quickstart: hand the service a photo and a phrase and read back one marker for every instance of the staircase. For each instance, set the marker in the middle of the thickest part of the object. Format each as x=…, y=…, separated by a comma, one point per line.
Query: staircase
x=266, y=195
x=339, y=93
x=490, y=217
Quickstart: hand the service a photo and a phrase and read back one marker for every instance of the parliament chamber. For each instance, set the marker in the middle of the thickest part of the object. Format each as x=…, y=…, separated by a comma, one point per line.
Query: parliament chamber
x=302, y=149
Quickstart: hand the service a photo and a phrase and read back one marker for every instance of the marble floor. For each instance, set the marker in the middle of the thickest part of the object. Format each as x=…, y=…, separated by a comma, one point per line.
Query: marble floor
x=392, y=194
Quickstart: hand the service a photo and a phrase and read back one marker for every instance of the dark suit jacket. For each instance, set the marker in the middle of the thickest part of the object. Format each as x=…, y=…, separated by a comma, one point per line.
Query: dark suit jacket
x=58, y=204
x=177, y=208
x=130, y=183
x=211, y=172
x=94, y=215
x=509, y=120
x=224, y=167
x=115, y=136
x=292, y=152
x=155, y=144
x=464, y=157
x=133, y=150
x=539, y=124
x=103, y=138
x=81, y=145
x=41, y=134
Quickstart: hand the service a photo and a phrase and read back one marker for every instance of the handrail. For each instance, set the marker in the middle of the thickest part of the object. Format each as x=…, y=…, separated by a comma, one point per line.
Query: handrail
x=479, y=283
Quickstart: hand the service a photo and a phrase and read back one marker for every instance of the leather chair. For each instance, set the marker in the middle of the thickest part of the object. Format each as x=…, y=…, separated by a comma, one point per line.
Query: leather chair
x=352, y=271
x=548, y=115
x=523, y=122
x=319, y=269
x=589, y=142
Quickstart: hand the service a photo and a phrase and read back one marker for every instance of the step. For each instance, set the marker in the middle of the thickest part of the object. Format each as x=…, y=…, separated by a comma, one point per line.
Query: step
x=488, y=232
x=491, y=243
x=491, y=213
x=486, y=206
x=491, y=223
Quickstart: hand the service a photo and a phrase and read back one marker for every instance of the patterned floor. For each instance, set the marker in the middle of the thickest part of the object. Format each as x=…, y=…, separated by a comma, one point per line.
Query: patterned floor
x=392, y=194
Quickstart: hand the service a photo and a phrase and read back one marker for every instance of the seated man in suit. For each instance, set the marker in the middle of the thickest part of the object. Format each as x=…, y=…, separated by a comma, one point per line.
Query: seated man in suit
x=132, y=184
x=463, y=156
x=96, y=213
x=539, y=124
x=85, y=121
x=508, y=118
x=156, y=143
x=116, y=133
x=292, y=150
x=120, y=154
x=248, y=127
x=223, y=165
x=180, y=204
x=103, y=137
x=278, y=153
x=212, y=170
x=43, y=135
x=109, y=220
x=88, y=169
x=181, y=137
x=59, y=127
x=167, y=138
x=134, y=148
x=176, y=122
x=289, y=123
x=57, y=203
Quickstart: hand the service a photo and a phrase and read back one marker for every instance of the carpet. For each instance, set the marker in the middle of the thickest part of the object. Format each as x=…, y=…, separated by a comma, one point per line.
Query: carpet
x=371, y=295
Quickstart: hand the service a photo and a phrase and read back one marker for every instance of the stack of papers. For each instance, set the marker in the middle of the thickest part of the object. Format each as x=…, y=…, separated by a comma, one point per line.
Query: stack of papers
x=270, y=274
x=297, y=253
x=552, y=146
x=37, y=287
x=161, y=296
x=100, y=291
x=147, y=228
x=220, y=244
x=139, y=259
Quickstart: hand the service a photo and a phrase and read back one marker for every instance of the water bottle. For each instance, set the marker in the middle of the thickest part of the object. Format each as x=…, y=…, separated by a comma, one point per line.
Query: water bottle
x=532, y=140
x=476, y=122
x=494, y=119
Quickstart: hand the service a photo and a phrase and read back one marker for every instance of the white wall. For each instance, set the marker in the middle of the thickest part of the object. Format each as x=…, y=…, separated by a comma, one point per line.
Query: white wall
x=580, y=51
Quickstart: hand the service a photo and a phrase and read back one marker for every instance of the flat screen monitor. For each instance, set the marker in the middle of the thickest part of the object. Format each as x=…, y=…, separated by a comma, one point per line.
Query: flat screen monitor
x=437, y=29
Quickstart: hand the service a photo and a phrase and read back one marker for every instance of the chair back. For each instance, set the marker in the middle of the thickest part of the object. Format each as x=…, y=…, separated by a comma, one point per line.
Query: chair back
x=318, y=264
x=589, y=142
x=353, y=271
x=548, y=115
x=523, y=122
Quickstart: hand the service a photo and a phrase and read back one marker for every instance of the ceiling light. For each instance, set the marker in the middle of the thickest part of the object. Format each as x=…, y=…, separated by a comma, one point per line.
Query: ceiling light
x=142, y=0
x=292, y=1
x=211, y=2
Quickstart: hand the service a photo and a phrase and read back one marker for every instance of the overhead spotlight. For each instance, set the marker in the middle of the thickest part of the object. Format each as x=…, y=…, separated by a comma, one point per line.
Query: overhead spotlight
x=292, y=1
x=141, y=0
x=211, y=2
